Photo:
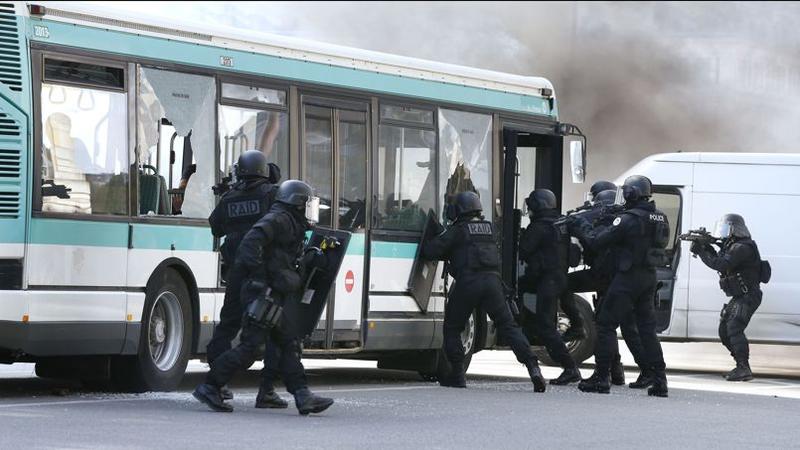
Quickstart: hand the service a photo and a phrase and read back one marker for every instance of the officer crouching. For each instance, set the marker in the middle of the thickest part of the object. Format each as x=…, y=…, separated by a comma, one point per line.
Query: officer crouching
x=741, y=271
x=268, y=255
x=468, y=245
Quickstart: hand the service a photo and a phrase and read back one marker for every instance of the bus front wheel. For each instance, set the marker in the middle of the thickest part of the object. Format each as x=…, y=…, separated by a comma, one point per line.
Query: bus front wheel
x=165, y=338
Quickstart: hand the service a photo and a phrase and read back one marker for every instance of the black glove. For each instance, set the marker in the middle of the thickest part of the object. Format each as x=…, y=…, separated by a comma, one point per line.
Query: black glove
x=313, y=257
x=697, y=248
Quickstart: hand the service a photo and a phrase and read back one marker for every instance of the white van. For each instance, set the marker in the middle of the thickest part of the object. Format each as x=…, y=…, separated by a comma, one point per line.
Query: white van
x=696, y=189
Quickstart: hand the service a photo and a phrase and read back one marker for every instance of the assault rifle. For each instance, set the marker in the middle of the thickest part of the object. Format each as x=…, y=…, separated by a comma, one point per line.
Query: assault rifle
x=701, y=236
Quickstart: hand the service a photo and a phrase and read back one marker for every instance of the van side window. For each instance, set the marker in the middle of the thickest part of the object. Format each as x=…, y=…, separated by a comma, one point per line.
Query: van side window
x=668, y=200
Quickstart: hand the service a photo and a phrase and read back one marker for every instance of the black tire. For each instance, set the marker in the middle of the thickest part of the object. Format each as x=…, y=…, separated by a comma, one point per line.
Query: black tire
x=580, y=350
x=159, y=367
x=472, y=332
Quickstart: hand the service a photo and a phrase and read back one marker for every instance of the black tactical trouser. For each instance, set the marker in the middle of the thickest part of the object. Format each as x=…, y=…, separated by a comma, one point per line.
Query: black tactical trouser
x=549, y=287
x=630, y=293
x=224, y=367
x=230, y=323
x=589, y=281
x=484, y=291
x=733, y=320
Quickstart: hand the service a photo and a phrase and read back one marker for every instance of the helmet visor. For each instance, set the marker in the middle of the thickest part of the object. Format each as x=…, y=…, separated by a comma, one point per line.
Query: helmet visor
x=312, y=210
x=620, y=197
x=723, y=230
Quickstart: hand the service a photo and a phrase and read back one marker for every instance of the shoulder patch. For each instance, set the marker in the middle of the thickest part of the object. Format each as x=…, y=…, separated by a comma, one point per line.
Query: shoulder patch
x=617, y=221
x=479, y=228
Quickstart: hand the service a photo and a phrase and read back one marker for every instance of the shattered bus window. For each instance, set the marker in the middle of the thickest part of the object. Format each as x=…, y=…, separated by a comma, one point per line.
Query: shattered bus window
x=175, y=143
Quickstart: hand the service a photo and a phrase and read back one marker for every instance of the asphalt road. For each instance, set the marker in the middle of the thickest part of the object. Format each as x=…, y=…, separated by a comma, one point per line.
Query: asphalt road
x=390, y=409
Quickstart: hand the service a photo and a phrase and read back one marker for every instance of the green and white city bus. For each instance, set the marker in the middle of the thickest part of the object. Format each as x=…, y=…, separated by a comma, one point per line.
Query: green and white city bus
x=114, y=129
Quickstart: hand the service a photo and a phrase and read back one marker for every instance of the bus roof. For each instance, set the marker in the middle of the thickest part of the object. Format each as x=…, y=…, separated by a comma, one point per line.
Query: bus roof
x=293, y=48
x=791, y=159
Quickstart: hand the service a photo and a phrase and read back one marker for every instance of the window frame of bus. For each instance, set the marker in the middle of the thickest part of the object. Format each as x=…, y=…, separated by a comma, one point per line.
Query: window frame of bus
x=388, y=233
x=262, y=106
x=38, y=58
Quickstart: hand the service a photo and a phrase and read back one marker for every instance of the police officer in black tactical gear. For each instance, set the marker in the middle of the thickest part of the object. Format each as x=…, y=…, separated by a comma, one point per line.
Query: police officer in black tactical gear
x=598, y=277
x=238, y=209
x=468, y=244
x=569, y=306
x=637, y=238
x=739, y=264
x=544, y=246
x=268, y=257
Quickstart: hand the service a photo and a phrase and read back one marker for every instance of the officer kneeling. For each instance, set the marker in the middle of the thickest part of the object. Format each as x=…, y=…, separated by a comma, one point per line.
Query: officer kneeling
x=268, y=255
x=468, y=244
x=741, y=271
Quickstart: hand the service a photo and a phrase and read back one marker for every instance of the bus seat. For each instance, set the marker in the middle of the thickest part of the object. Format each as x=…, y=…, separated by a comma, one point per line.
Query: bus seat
x=65, y=172
x=148, y=191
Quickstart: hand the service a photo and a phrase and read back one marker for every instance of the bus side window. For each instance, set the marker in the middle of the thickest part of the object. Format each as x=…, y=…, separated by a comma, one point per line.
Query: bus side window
x=406, y=169
x=465, y=153
x=175, y=143
x=84, y=138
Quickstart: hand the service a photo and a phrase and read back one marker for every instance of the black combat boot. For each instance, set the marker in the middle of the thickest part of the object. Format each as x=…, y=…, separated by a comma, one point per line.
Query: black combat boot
x=307, y=402
x=570, y=375
x=539, y=383
x=644, y=380
x=617, y=372
x=573, y=334
x=596, y=383
x=210, y=395
x=267, y=398
x=226, y=393
x=455, y=379
x=741, y=372
x=659, y=387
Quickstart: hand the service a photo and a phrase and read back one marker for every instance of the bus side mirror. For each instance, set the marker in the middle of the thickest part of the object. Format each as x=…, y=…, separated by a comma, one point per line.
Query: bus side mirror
x=577, y=156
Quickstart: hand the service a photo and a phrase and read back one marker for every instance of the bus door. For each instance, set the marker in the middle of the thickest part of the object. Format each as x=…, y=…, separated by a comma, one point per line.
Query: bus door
x=334, y=161
x=530, y=161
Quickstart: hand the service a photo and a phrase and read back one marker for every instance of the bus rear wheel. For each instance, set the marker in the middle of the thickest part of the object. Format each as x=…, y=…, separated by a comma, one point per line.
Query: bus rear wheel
x=165, y=338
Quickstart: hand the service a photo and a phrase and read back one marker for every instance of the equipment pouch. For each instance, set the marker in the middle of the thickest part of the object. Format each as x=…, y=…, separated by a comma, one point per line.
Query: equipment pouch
x=733, y=285
x=574, y=255
x=263, y=312
x=766, y=271
x=484, y=256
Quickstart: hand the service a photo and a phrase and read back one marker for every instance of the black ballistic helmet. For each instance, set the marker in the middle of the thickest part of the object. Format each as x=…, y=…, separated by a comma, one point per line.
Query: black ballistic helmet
x=606, y=197
x=540, y=200
x=636, y=187
x=600, y=186
x=465, y=203
x=294, y=193
x=252, y=164
x=732, y=225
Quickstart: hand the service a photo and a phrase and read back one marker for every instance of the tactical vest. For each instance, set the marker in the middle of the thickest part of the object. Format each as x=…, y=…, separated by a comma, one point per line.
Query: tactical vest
x=745, y=278
x=480, y=252
x=555, y=253
x=280, y=256
x=647, y=248
x=241, y=208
